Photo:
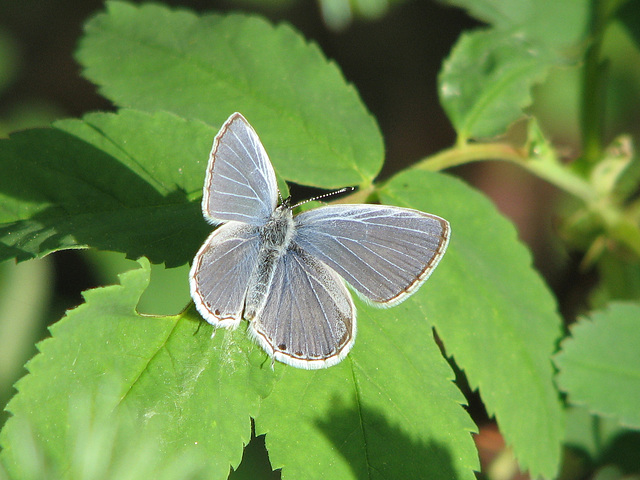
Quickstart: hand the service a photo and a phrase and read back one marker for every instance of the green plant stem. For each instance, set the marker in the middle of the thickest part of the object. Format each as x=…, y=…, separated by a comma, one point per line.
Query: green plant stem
x=622, y=225
x=634, y=211
x=593, y=88
x=563, y=178
x=596, y=430
x=466, y=153
x=546, y=168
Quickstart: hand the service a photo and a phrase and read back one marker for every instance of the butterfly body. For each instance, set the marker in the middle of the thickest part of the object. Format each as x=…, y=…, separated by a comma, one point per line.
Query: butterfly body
x=287, y=274
x=276, y=236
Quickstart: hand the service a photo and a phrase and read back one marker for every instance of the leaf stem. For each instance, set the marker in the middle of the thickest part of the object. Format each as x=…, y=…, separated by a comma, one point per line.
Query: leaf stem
x=547, y=168
x=465, y=153
x=596, y=430
x=593, y=85
x=543, y=163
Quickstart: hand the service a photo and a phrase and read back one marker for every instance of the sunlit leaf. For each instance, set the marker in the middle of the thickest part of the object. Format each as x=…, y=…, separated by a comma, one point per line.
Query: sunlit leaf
x=493, y=313
x=313, y=124
x=600, y=363
x=185, y=391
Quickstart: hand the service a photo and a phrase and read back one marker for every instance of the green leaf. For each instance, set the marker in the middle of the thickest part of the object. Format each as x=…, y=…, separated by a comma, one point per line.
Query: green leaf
x=595, y=436
x=168, y=380
x=549, y=21
x=120, y=182
x=629, y=16
x=493, y=313
x=600, y=363
x=313, y=124
x=167, y=293
x=99, y=445
x=618, y=279
x=25, y=294
x=486, y=81
x=387, y=411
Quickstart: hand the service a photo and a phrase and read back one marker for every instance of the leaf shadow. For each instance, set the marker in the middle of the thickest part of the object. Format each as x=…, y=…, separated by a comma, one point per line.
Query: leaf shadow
x=622, y=450
x=90, y=198
x=390, y=452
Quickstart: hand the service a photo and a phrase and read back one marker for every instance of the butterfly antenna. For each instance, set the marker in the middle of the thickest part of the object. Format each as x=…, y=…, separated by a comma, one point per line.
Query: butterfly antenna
x=319, y=197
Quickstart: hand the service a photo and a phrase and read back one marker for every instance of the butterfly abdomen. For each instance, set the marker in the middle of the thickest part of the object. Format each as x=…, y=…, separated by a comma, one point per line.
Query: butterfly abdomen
x=276, y=237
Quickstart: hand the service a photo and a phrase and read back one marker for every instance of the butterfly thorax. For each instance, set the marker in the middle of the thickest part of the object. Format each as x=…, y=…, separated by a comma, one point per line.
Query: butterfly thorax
x=276, y=234
x=276, y=237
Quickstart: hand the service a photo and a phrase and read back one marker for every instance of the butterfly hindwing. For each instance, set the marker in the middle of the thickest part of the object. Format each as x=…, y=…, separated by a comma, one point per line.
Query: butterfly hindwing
x=309, y=320
x=221, y=271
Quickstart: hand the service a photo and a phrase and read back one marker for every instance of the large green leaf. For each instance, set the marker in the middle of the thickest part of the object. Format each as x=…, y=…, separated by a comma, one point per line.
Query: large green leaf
x=600, y=363
x=312, y=122
x=493, y=313
x=182, y=390
x=388, y=411
x=129, y=182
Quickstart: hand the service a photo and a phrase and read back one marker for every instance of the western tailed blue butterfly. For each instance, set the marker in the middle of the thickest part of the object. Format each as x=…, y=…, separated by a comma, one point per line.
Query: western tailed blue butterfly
x=286, y=274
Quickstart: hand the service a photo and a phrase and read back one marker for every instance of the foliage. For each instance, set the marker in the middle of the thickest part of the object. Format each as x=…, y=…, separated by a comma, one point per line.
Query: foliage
x=131, y=181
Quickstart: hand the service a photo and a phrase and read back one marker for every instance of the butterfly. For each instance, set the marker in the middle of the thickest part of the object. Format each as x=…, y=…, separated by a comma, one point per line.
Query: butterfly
x=287, y=274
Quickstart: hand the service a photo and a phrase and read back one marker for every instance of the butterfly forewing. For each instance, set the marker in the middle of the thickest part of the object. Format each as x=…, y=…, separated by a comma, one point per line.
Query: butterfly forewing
x=240, y=183
x=309, y=318
x=221, y=272
x=384, y=252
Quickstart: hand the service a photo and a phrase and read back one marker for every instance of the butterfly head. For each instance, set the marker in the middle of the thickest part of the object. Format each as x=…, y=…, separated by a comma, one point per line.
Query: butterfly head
x=286, y=204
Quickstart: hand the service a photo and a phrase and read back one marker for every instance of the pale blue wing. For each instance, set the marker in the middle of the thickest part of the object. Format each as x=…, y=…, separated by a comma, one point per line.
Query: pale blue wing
x=383, y=252
x=240, y=183
x=221, y=271
x=309, y=320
